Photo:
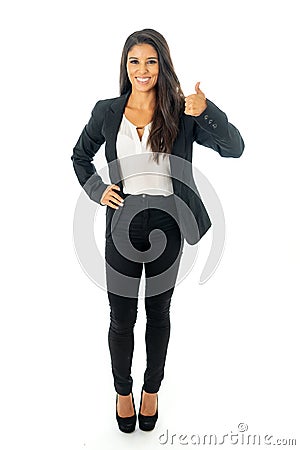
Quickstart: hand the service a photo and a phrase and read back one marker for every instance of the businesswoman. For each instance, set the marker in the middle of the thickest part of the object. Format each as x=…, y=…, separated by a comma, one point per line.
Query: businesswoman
x=147, y=129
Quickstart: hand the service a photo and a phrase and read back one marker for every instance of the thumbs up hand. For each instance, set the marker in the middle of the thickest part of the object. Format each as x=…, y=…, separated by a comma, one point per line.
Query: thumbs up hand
x=195, y=104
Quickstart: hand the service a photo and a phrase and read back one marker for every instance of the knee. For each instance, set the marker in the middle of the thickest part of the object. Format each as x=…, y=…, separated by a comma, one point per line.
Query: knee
x=123, y=324
x=158, y=313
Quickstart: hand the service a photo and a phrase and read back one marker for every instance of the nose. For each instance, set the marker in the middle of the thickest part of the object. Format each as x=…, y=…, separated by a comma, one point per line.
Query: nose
x=143, y=68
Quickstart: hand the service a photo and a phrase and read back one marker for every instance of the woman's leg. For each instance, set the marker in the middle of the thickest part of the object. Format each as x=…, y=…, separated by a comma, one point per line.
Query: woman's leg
x=161, y=277
x=123, y=313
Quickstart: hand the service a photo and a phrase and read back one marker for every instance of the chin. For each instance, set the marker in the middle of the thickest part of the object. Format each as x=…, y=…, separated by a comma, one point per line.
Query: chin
x=140, y=88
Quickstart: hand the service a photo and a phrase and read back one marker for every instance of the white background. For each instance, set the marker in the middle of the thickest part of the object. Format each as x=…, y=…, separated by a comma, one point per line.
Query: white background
x=233, y=351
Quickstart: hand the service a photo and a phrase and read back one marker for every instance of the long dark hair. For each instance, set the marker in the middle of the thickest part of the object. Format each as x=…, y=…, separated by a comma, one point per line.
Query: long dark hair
x=169, y=96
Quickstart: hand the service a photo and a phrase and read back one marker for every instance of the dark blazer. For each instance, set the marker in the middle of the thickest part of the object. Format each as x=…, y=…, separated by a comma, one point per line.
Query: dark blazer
x=211, y=129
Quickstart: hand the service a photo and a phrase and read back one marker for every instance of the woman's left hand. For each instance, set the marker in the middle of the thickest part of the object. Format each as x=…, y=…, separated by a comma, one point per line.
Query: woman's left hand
x=195, y=104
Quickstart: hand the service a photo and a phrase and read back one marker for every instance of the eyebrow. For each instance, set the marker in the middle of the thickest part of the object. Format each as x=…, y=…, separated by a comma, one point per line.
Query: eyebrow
x=150, y=57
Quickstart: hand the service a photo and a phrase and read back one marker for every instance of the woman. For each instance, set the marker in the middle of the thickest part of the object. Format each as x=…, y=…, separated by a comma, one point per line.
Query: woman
x=152, y=205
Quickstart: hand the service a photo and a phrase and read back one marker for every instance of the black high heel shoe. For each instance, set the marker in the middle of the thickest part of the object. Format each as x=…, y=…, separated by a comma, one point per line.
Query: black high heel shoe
x=147, y=423
x=126, y=424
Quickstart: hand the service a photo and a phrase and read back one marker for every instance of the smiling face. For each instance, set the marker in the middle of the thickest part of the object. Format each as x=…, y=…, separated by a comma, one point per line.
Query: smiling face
x=142, y=67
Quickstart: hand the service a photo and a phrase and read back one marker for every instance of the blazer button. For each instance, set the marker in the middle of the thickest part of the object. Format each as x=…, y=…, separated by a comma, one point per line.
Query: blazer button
x=214, y=125
x=205, y=117
x=210, y=121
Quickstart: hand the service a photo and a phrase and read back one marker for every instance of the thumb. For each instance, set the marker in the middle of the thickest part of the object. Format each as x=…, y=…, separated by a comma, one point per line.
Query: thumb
x=197, y=89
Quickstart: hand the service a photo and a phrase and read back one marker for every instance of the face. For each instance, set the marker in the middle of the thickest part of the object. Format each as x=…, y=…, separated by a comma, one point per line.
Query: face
x=142, y=67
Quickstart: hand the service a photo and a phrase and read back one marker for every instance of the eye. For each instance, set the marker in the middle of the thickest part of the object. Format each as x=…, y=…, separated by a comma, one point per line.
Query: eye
x=133, y=61
x=152, y=61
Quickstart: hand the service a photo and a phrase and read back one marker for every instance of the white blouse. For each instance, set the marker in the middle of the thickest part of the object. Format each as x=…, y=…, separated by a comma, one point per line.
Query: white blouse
x=140, y=174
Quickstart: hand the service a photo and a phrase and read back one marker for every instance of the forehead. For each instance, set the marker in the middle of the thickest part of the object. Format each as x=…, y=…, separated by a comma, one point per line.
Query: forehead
x=142, y=51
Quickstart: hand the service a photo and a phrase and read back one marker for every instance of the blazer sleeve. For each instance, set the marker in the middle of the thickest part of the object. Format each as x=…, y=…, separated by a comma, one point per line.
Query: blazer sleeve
x=84, y=151
x=213, y=130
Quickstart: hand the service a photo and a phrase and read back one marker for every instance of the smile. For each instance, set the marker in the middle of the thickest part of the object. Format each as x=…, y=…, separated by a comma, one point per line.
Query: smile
x=143, y=80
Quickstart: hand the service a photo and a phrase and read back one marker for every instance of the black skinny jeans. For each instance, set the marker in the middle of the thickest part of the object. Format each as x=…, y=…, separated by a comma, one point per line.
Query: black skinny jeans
x=124, y=264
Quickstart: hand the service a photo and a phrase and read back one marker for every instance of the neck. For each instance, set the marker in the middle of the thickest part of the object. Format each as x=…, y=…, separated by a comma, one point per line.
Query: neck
x=142, y=100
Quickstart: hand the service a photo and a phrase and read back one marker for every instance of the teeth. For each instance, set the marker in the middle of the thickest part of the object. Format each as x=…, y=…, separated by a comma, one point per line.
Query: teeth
x=142, y=80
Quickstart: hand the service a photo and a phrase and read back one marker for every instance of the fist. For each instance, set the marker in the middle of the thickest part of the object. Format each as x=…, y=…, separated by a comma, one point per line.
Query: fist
x=195, y=104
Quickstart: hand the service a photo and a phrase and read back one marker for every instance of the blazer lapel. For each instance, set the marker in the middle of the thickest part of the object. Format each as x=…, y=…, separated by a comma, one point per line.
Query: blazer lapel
x=113, y=120
x=112, y=124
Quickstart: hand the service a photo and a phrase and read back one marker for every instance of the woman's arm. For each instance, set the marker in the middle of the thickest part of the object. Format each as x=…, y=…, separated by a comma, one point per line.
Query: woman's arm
x=84, y=151
x=212, y=129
